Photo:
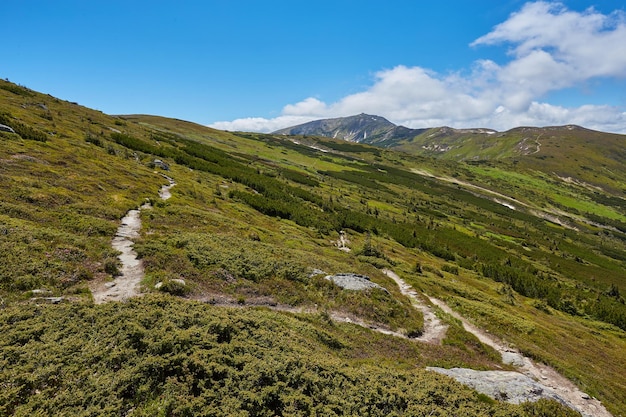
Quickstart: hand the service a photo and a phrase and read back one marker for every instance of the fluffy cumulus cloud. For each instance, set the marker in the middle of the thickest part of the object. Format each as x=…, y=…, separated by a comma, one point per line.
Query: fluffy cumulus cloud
x=550, y=48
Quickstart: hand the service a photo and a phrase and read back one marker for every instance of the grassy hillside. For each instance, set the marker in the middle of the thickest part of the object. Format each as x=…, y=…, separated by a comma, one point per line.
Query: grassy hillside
x=565, y=153
x=253, y=219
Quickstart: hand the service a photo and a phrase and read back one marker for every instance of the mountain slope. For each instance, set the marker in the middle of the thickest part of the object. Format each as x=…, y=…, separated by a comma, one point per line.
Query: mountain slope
x=362, y=128
x=585, y=155
x=253, y=220
x=570, y=153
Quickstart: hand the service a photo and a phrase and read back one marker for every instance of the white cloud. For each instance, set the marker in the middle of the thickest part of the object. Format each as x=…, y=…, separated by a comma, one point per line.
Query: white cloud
x=308, y=107
x=588, y=44
x=259, y=124
x=551, y=48
x=292, y=114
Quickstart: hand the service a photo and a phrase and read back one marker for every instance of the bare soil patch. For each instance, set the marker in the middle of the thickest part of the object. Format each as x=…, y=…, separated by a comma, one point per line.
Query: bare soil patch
x=126, y=285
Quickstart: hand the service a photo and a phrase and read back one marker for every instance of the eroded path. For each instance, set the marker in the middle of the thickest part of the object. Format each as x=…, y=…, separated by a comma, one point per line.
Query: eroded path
x=126, y=285
x=550, y=379
x=553, y=384
x=434, y=329
x=222, y=300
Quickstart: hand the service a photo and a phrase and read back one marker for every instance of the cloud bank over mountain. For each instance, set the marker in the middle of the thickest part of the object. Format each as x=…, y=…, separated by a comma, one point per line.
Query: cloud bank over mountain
x=550, y=49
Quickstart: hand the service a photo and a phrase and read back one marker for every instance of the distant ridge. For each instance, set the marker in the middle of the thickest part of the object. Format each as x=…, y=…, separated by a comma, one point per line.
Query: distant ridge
x=538, y=146
x=362, y=128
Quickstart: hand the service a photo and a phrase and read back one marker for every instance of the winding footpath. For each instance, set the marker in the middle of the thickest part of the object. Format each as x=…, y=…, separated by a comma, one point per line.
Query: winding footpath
x=126, y=285
x=434, y=329
x=554, y=384
x=541, y=380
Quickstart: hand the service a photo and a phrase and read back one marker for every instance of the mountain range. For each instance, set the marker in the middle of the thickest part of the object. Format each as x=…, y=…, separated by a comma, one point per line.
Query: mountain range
x=569, y=151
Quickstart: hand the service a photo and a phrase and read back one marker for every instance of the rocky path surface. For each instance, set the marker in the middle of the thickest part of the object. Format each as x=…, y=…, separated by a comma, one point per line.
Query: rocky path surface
x=532, y=380
x=126, y=285
x=553, y=384
x=434, y=329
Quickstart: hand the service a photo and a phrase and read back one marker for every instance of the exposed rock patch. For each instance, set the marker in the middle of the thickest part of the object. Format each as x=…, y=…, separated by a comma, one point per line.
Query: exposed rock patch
x=5, y=128
x=353, y=282
x=161, y=164
x=508, y=386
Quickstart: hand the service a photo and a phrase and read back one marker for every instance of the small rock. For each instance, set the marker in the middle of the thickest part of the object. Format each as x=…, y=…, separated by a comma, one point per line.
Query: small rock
x=41, y=291
x=158, y=285
x=585, y=396
x=53, y=300
x=316, y=272
x=354, y=282
x=512, y=358
x=179, y=281
x=161, y=164
x=5, y=128
x=110, y=285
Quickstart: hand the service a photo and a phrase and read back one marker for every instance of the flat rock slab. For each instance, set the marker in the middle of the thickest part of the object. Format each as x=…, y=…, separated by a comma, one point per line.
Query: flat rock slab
x=354, y=282
x=508, y=386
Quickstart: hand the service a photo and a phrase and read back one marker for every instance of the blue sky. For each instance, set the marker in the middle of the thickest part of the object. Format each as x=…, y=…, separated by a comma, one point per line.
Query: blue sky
x=264, y=65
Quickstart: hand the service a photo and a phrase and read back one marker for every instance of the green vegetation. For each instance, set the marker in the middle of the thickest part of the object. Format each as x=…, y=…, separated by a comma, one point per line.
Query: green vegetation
x=25, y=131
x=253, y=219
x=157, y=356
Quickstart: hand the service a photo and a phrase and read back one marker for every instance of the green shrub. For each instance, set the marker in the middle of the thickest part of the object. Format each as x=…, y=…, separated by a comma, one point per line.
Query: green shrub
x=175, y=287
x=24, y=130
x=548, y=408
x=161, y=356
x=452, y=269
x=243, y=258
x=17, y=89
x=89, y=138
x=111, y=266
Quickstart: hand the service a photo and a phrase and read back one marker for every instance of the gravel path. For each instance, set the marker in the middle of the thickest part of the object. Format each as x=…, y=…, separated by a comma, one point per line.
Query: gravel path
x=126, y=285
x=434, y=329
x=542, y=380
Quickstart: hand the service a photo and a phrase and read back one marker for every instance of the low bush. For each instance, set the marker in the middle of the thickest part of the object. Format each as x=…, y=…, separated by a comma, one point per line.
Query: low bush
x=160, y=356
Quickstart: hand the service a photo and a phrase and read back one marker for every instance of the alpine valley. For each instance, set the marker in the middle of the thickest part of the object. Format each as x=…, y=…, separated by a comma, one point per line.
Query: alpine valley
x=342, y=267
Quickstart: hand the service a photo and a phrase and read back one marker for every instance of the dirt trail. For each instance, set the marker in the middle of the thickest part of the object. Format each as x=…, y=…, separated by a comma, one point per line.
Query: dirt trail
x=509, y=200
x=221, y=300
x=126, y=285
x=551, y=214
x=546, y=375
x=434, y=329
x=538, y=144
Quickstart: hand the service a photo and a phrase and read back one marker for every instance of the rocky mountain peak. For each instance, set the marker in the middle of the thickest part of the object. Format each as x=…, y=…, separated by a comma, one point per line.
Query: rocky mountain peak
x=361, y=128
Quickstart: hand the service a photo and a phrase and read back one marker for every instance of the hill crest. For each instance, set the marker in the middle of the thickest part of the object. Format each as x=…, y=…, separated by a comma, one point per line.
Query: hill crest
x=361, y=128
